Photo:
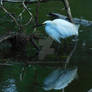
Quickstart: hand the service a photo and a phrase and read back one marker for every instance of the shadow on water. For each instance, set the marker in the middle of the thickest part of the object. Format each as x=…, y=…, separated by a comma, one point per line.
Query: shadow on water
x=33, y=76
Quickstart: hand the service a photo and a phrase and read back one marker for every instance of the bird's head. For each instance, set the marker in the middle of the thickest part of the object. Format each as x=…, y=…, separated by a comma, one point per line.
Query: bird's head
x=47, y=22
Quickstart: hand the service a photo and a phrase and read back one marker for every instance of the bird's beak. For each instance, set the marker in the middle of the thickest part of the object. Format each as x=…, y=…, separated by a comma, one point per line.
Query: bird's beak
x=39, y=25
x=43, y=23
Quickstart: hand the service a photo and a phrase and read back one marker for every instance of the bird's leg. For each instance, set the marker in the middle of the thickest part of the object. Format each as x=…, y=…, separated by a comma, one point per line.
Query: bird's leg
x=65, y=46
x=58, y=47
x=75, y=39
x=63, y=90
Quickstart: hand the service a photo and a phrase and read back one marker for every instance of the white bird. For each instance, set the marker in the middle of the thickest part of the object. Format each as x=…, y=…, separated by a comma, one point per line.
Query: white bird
x=59, y=28
x=59, y=79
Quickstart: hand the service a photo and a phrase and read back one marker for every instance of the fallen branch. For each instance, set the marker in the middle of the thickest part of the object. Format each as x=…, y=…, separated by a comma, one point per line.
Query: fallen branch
x=82, y=22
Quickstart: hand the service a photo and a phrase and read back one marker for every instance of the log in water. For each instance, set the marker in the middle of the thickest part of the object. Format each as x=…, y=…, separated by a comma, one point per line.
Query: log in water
x=82, y=22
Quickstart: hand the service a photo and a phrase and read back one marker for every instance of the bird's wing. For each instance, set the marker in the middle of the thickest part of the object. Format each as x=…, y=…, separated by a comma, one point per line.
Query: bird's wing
x=65, y=28
x=51, y=31
x=77, y=26
x=65, y=78
x=52, y=77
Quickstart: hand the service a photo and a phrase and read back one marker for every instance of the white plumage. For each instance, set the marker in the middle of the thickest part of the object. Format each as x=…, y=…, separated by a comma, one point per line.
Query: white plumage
x=60, y=28
x=59, y=79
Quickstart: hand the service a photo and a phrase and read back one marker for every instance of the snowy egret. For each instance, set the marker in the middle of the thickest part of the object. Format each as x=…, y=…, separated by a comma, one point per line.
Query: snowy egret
x=59, y=28
x=59, y=79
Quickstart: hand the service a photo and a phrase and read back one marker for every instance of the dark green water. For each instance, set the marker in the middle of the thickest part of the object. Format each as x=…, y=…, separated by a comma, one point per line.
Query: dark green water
x=33, y=76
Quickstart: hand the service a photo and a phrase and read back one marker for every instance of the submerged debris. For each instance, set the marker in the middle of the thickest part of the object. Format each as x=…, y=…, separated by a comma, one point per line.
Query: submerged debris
x=46, y=50
x=59, y=79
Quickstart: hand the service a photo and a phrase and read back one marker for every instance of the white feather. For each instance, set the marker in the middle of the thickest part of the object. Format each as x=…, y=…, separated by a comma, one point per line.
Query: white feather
x=59, y=79
x=60, y=28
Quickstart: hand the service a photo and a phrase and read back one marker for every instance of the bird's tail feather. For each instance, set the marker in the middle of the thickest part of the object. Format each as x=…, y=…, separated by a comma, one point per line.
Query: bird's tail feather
x=77, y=26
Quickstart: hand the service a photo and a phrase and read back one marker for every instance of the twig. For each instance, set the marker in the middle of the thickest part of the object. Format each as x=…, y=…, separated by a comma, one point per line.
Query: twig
x=27, y=1
x=22, y=73
x=5, y=64
x=20, y=14
x=67, y=7
x=1, y=2
x=6, y=11
x=7, y=37
x=25, y=7
x=37, y=13
x=34, y=43
x=33, y=63
x=15, y=62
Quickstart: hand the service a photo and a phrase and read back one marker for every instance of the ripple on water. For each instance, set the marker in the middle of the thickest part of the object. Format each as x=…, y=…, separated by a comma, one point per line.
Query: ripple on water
x=9, y=86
